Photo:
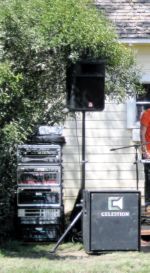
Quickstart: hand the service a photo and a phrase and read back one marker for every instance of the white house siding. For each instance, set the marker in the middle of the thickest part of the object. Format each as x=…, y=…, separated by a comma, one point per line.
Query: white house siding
x=105, y=169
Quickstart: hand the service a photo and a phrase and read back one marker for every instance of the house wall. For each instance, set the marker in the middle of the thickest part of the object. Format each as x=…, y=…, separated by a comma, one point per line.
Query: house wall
x=107, y=129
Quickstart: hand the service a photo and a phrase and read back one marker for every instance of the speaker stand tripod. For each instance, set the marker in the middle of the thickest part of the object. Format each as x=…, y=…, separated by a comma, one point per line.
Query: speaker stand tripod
x=77, y=217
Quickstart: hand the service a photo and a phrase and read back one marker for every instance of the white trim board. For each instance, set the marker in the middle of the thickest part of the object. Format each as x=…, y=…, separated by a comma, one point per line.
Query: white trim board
x=131, y=41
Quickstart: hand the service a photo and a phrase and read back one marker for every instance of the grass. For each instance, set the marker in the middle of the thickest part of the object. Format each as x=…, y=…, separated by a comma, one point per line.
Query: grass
x=16, y=257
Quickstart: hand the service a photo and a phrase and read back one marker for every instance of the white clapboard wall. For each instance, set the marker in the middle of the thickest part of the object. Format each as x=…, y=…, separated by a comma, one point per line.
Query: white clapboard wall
x=105, y=169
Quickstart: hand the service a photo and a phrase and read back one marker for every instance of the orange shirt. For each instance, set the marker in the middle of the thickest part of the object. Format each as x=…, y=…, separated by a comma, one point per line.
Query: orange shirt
x=145, y=120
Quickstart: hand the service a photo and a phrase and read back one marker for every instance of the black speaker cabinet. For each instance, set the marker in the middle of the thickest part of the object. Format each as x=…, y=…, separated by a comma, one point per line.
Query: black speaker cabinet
x=111, y=221
x=85, y=86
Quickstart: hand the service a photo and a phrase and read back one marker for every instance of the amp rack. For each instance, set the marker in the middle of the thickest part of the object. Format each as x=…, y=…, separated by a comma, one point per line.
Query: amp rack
x=40, y=215
x=40, y=233
x=40, y=154
x=46, y=197
x=36, y=175
x=40, y=209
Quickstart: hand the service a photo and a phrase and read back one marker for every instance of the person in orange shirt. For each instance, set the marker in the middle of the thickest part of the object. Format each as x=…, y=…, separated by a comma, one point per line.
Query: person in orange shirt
x=145, y=148
x=145, y=133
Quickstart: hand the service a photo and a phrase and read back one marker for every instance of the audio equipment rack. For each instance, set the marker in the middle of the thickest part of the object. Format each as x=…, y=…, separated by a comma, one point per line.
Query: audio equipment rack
x=40, y=209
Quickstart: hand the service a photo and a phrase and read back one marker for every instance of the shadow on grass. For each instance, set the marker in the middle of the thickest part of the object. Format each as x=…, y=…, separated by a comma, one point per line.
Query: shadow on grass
x=43, y=250
x=67, y=250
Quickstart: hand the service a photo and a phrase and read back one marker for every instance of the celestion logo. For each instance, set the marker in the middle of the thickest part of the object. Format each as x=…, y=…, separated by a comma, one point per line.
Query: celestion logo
x=115, y=203
x=115, y=207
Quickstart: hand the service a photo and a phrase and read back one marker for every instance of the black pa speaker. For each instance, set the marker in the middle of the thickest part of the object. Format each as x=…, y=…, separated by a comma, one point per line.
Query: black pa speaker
x=85, y=86
x=111, y=221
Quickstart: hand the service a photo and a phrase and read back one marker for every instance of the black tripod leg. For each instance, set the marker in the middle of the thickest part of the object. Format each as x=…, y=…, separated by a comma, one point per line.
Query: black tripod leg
x=66, y=231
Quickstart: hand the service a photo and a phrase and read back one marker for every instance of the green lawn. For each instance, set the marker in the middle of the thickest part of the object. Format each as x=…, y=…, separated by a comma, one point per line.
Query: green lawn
x=69, y=258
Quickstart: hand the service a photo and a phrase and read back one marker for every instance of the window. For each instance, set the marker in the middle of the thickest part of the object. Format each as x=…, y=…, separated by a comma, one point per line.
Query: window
x=143, y=102
x=134, y=109
x=135, y=106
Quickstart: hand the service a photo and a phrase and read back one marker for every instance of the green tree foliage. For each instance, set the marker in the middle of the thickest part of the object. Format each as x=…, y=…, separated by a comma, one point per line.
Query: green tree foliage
x=37, y=38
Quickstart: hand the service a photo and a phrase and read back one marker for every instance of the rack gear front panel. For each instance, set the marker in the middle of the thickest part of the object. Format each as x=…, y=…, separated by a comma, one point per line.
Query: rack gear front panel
x=40, y=207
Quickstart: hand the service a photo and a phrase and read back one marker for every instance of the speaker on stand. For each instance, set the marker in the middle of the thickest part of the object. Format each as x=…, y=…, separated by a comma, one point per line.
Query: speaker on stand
x=85, y=85
x=85, y=92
